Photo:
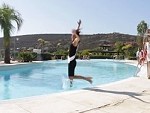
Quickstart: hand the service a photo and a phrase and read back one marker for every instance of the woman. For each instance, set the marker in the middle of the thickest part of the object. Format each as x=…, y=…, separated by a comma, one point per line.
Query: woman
x=147, y=47
x=75, y=39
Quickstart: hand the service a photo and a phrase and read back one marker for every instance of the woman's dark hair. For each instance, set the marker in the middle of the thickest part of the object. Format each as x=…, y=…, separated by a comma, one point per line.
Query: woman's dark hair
x=78, y=32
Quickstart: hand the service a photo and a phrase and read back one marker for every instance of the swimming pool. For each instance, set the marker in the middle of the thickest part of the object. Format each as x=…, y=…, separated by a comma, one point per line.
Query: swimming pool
x=51, y=76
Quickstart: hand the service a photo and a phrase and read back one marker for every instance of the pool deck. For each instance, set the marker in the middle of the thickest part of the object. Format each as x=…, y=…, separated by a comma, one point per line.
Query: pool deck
x=126, y=96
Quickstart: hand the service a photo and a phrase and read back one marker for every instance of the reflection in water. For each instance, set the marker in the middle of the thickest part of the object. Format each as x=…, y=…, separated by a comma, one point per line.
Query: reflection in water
x=115, y=68
x=6, y=77
x=7, y=91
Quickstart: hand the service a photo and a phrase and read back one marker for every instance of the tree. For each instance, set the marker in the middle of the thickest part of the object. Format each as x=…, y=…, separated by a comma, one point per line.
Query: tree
x=127, y=50
x=7, y=17
x=42, y=43
x=85, y=52
x=118, y=46
x=141, y=29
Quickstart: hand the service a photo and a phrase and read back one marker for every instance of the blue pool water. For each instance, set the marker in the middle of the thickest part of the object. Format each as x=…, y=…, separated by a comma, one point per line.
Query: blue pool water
x=51, y=76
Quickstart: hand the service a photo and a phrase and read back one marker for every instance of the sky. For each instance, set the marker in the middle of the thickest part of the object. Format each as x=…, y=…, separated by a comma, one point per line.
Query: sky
x=98, y=16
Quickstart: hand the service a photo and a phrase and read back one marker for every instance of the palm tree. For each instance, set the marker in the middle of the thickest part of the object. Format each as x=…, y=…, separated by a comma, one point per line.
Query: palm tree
x=7, y=16
x=141, y=29
x=42, y=43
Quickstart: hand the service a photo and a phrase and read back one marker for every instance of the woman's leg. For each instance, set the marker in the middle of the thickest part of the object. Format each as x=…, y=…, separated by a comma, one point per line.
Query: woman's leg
x=89, y=79
x=148, y=69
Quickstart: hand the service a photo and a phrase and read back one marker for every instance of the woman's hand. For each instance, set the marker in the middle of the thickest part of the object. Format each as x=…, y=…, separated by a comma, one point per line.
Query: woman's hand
x=79, y=23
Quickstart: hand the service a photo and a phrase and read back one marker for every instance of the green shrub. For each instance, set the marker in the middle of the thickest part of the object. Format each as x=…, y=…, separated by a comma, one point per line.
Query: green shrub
x=100, y=57
x=46, y=56
x=27, y=56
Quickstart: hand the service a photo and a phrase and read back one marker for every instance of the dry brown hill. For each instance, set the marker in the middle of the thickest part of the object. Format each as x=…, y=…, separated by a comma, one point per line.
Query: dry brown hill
x=87, y=41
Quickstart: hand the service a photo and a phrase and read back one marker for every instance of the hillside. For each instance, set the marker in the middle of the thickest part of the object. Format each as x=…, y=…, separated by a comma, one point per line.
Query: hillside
x=87, y=41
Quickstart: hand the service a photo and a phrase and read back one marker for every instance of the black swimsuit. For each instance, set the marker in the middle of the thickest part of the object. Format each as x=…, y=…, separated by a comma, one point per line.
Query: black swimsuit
x=72, y=63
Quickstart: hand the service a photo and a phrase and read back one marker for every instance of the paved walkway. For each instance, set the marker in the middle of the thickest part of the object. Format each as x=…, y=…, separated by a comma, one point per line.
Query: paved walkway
x=127, y=96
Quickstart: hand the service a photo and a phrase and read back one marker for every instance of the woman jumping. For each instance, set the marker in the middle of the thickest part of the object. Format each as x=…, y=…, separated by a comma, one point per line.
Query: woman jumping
x=75, y=39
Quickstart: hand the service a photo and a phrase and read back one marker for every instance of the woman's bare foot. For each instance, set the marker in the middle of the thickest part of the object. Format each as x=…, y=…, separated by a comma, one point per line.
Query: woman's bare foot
x=71, y=83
